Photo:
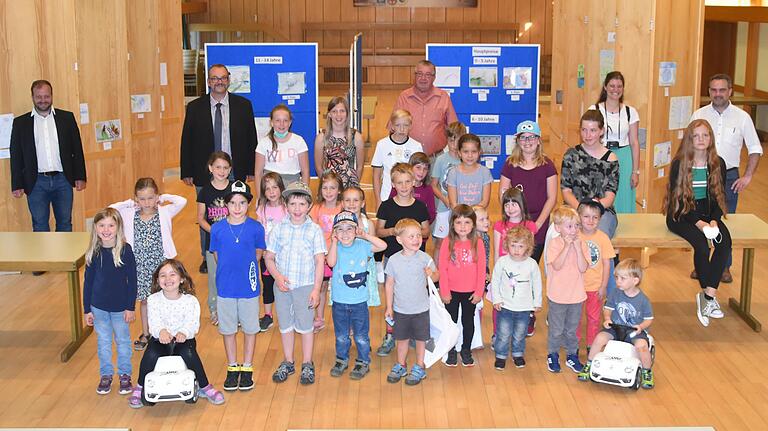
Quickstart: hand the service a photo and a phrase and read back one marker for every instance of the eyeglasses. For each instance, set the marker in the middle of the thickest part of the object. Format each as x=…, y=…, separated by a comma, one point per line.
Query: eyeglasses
x=424, y=74
x=531, y=138
x=218, y=78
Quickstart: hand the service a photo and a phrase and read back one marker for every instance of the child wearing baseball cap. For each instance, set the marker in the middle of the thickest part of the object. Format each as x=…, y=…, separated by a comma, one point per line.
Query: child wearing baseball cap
x=350, y=251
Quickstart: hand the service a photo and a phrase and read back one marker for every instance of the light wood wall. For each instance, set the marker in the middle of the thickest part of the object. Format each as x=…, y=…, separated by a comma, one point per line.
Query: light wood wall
x=647, y=32
x=97, y=52
x=286, y=18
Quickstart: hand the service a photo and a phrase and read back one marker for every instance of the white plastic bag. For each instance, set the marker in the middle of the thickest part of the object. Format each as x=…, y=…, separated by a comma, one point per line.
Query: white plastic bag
x=443, y=332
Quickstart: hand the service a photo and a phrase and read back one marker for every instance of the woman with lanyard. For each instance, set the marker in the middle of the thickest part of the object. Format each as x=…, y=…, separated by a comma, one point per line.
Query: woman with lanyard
x=622, y=122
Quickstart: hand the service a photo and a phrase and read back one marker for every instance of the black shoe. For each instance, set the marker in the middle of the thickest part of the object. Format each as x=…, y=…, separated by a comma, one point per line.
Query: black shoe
x=452, y=360
x=38, y=273
x=519, y=361
x=246, y=379
x=233, y=376
x=265, y=323
x=466, y=358
x=499, y=364
x=203, y=267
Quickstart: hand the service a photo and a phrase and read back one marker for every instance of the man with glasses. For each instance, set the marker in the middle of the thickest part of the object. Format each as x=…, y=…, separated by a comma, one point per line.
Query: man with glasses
x=218, y=121
x=733, y=129
x=430, y=107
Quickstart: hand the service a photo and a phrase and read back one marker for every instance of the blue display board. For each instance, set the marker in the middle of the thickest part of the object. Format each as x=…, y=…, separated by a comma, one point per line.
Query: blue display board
x=269, y=74
x=493, y=88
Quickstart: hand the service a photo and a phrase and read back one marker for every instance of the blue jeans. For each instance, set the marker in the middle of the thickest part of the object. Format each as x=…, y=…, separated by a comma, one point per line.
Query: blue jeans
x=106, y=324
x=514, y=325
x=53, y=191
x=202, y=232
x=354, y=316
x=731, y=200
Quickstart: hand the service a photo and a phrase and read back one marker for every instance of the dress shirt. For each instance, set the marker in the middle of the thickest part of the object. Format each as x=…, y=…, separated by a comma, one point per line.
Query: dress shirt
x=225, y=140
x=431, y=116
x=732, y=128
x=47, y=142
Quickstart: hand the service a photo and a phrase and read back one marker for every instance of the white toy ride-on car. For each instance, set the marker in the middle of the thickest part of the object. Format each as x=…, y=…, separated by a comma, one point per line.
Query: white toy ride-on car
x=171, y=380
x=619, y=363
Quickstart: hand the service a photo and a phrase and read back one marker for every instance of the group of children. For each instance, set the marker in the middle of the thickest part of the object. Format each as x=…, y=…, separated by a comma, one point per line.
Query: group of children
x=301, y=247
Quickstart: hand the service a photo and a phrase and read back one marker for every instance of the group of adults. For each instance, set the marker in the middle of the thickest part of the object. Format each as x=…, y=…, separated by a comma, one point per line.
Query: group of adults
x=47, y=160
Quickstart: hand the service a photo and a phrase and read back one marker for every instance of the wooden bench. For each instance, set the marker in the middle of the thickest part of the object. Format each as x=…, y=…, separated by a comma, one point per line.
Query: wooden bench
x=52, y=251
x=748, y=232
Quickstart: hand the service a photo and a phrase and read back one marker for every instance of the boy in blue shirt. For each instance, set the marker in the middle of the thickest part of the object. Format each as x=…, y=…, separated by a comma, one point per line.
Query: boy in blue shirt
x=351, y=250
x=237, y=244
x=626, y=305
x=295, y=258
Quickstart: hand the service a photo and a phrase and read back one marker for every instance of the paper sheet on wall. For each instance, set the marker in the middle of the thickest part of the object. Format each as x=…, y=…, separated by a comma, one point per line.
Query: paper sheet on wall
x=163, y=73
x=680, y=109
x=262, y=126
x=607, y=58
x=662, y=154
x=85, y=116
x=6, y=124
x=448, y=76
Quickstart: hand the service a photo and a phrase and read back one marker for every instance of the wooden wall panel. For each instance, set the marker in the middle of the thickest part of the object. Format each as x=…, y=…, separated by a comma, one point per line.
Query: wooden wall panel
x=169, y=40
x=286, y=16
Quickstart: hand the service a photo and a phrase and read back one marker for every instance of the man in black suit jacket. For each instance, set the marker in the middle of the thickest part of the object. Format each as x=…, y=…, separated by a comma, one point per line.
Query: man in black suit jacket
x=47, y=160
x=217, y=121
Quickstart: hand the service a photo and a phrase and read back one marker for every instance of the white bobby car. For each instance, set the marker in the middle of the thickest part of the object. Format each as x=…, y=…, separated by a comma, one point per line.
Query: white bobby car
x=619, y=363
x=171, y=380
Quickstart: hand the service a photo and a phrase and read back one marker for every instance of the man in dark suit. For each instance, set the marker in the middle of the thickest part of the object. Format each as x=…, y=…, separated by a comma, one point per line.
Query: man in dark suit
x=218, y=121
x=47, y=160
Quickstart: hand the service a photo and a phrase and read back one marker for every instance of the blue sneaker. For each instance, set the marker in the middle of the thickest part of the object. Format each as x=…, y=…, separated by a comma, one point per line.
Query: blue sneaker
x=416, y=375
x=397, y=373
x=572, y=361
x=553, y=362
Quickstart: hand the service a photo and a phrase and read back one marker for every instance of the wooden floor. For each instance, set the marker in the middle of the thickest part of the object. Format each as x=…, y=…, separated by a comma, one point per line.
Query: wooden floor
x=705, y=376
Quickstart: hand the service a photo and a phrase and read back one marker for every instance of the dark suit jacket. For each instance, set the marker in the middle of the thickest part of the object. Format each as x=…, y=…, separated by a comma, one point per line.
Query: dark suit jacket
x=197, y=138
x=24, y=154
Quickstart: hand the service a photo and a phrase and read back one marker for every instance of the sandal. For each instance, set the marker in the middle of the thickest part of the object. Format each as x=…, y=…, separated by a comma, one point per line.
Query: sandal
x=134, y=401
x=211, y=394
x=141, y=343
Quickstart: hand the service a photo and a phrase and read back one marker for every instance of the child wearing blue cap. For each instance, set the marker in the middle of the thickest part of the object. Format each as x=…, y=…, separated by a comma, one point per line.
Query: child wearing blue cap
x=350, y=251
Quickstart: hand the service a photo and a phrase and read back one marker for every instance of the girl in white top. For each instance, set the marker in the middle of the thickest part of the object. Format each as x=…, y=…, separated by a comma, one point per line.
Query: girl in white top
x=282, y=151
x=174, y=320
x=147, y=226
x=621, y=136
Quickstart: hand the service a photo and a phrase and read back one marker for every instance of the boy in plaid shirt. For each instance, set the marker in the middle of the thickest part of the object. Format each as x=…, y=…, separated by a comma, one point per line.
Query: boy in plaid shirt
x=295, y=257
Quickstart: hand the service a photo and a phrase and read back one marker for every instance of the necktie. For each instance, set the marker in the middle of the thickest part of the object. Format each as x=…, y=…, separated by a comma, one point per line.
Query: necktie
x=217, y=128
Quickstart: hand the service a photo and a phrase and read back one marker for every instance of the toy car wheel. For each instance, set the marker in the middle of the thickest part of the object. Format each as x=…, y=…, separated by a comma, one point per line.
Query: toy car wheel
x=194, y=395
x=144, y=398
x=653, y=354
x=638, y=378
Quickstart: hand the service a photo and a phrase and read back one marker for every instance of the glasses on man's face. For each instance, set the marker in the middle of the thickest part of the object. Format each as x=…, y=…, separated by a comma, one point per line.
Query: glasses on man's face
x=526, y=139
x=424, y=74
x=218, y=78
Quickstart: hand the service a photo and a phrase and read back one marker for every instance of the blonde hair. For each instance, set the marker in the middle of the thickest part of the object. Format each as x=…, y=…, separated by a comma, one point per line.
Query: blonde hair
x=271, y=133
x=405, y=224
x=516, y=157
x=95, y=246
x=400, y=114
x=564, y=213
x=630, y=267
x=401, y=168
x=349, y=132
x=519, y=234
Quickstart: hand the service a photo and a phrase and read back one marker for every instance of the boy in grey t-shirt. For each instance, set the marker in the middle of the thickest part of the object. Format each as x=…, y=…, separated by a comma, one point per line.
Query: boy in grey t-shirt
x=408, y=299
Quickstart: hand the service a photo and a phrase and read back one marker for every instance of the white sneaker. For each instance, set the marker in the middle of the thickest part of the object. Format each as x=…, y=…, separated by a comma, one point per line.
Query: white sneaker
x=379, y=272
x=715, y=312
x=701, y=311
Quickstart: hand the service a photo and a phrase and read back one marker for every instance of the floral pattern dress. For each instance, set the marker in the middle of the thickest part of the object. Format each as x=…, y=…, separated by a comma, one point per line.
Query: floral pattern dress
x=148, y=248
x=340, y=157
